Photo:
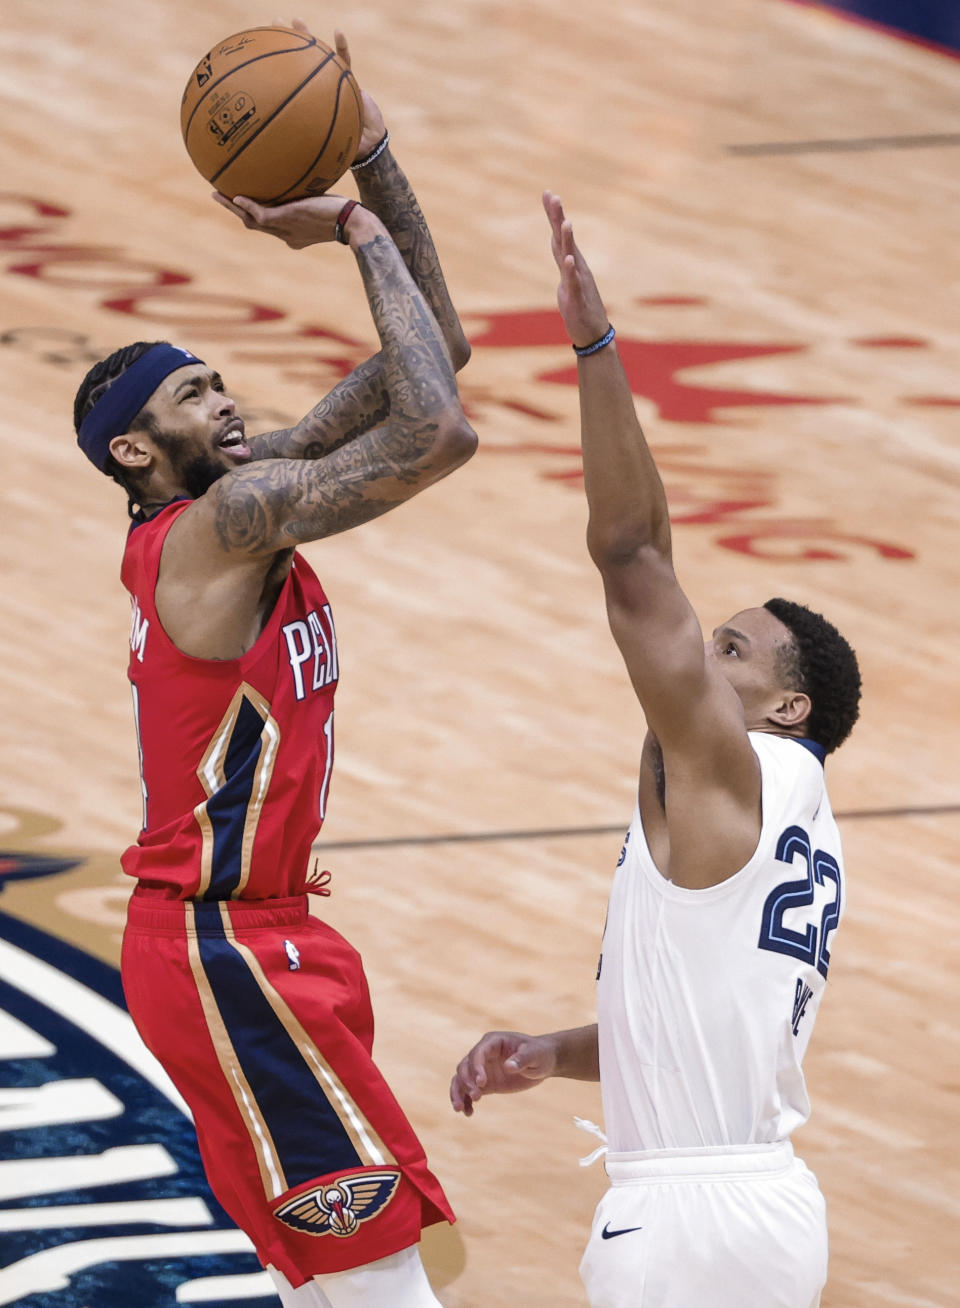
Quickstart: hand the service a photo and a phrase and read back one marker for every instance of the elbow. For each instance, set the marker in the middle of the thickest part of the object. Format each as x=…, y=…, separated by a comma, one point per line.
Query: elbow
x=455, y=443
x=631, y=547
x=460, y=352
x=612, y=548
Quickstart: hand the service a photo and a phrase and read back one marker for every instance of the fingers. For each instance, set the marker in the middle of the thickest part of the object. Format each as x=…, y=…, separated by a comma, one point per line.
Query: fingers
x=567, y=245
x=470, y=1080
x=461, y=1101
x=554, y=208
x=526, y=1060
x=235, y=208
x=478, y=1066
x=297, y=24
x=250, y=209
x=463, y=1091
x=254, y=216
x=569, y=276
x=341, y=47
x=299, y=223
x=561, y=230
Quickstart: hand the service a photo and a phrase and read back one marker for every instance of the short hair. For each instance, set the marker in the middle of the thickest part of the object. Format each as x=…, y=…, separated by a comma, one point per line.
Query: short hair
x=822, y=664
x=95, y=385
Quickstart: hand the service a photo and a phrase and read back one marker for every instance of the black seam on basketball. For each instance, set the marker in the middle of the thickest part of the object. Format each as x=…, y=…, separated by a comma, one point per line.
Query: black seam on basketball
x=266, y=123
x=359, y=99
x=268, y=54
x=345, y=76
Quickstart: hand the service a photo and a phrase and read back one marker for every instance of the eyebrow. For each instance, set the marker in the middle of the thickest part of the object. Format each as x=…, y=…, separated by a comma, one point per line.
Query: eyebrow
x=731, y=631
x=213, y=380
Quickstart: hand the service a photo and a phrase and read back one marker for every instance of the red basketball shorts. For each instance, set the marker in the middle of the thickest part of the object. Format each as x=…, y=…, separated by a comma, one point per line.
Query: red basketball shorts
x=261, y=1016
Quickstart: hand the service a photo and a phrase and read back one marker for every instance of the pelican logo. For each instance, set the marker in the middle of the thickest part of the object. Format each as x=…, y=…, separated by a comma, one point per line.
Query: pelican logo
x=339, y=1207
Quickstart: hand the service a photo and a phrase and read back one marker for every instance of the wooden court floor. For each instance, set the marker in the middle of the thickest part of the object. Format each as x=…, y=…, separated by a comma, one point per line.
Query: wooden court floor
x=789, y=318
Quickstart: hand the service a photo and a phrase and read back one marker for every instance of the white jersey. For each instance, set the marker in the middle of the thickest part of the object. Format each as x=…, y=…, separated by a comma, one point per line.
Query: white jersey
x=706, y=998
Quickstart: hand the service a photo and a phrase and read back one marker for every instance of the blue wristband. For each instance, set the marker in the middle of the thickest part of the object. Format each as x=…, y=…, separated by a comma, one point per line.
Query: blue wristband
x=605, y=339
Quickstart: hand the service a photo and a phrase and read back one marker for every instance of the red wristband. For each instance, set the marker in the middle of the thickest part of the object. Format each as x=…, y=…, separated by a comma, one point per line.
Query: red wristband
x=342, y=217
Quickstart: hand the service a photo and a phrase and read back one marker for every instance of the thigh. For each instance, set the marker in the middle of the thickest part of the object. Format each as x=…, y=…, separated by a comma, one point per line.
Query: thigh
x=267, y=1034
x=757, y=1241
x=398, y=1281
x=617, y=1257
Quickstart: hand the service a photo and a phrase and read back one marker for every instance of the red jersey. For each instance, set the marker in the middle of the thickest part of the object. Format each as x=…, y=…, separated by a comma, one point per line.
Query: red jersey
x=235, y=754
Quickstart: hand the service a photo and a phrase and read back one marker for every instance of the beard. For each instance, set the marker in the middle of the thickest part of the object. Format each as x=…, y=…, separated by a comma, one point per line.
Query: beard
x=195, y=469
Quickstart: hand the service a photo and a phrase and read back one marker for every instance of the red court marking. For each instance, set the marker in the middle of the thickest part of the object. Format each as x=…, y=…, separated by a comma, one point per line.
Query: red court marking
x=652, y=366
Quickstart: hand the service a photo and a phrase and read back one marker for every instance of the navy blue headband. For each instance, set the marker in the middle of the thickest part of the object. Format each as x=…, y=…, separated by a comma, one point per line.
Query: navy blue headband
x=119, y=405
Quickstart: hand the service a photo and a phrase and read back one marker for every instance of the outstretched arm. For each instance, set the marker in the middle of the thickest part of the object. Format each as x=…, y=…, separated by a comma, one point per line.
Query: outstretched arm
x=384, y=189
x=505, y=1062
x=628, y=532
x=712, y=775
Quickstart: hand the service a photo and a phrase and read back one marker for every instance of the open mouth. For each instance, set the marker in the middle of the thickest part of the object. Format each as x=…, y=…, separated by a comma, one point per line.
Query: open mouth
x=233, y=441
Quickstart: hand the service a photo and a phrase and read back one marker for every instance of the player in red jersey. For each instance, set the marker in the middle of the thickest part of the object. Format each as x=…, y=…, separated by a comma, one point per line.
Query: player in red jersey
x=259, y=1012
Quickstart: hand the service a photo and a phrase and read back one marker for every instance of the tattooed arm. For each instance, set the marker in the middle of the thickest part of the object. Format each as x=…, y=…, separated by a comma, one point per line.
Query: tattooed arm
x=356, y=404
x=384, y=188
x=227, y=555
x=361, y=400
x=271, y=506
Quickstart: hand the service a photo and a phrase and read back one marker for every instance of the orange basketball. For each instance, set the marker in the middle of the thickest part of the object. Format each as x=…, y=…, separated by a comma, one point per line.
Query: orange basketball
x=272, y=114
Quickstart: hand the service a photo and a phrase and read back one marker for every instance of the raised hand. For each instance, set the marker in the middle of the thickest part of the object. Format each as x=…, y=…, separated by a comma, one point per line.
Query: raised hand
x=501, y=1063
x=373, y=124
x=579, y=301
x=299, y=223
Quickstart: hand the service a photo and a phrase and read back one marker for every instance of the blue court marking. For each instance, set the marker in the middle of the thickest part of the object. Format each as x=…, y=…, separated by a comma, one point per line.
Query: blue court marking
x=933, y=22
x=148, y=1117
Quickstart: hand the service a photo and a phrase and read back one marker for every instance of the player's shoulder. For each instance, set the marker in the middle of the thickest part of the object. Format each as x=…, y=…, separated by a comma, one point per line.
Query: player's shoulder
x=147, y=533
x=795, y=752
x=792, y=771
x=160, y=521
x=789, y=757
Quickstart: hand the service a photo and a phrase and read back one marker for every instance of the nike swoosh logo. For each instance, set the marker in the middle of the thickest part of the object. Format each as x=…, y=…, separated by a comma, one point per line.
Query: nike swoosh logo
x=607, y=1234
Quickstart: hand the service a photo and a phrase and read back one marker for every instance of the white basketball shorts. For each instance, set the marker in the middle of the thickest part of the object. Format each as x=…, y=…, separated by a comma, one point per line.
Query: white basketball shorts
x=740, y=1227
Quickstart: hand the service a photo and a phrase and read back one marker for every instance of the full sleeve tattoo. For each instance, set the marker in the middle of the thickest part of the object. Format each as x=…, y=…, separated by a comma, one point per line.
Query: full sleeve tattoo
x=384, y=190
x=362, y=399
x=282, y=502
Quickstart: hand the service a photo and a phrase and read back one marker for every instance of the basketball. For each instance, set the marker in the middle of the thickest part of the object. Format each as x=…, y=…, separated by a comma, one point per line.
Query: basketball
x=273, y=114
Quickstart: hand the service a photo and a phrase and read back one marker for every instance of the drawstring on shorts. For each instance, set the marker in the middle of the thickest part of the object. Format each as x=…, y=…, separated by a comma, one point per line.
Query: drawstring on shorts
x=591, y=1128
x=318, y=883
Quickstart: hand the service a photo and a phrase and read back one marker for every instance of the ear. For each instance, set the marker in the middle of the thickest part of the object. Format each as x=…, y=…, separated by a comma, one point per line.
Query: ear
x=132, y=450
x=791, y=711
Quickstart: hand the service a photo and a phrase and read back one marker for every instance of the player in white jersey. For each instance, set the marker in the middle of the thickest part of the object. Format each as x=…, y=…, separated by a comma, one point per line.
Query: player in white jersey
x=723, y=907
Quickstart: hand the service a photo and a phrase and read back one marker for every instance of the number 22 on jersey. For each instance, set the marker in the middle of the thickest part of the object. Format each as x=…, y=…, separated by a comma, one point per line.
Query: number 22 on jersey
x=811, y=945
